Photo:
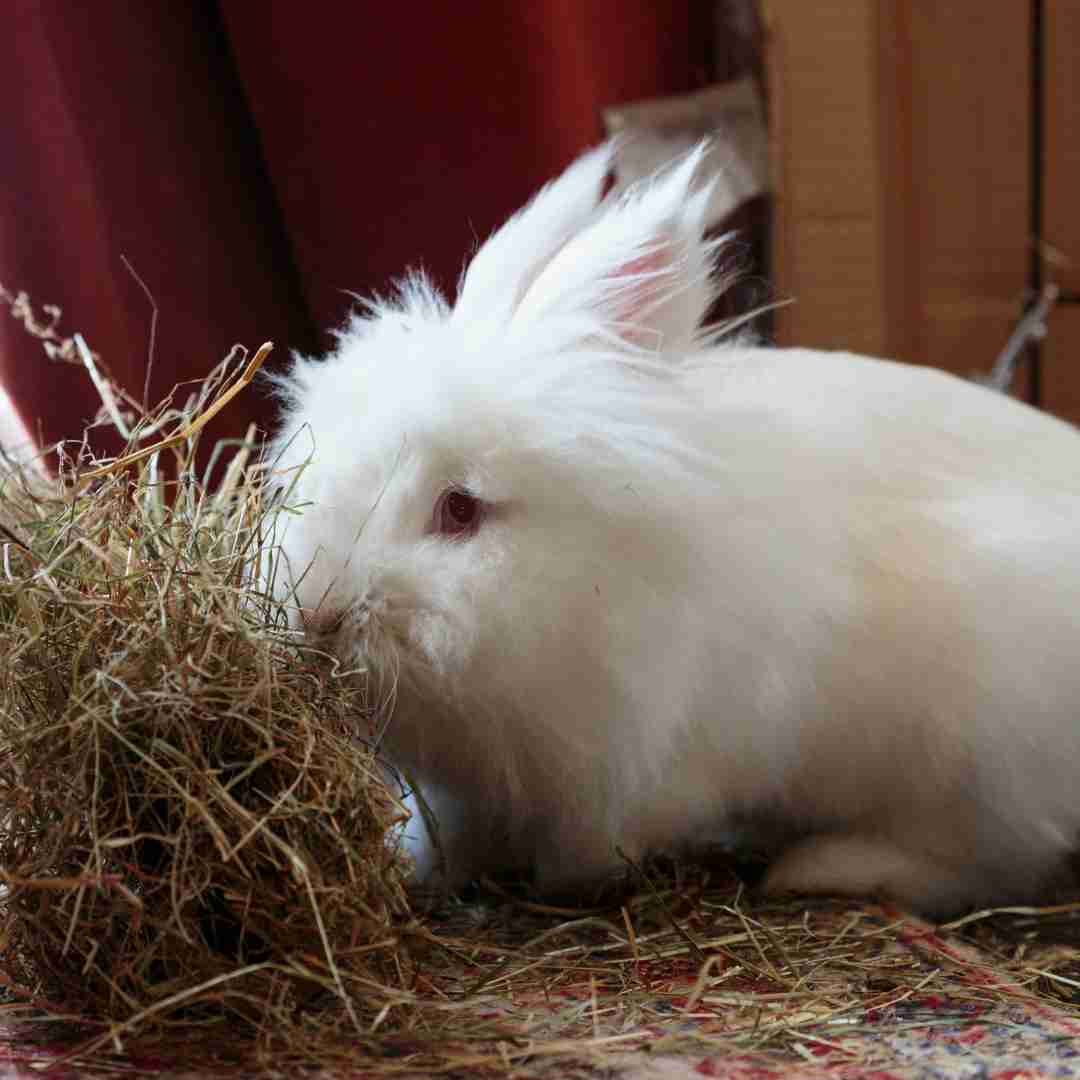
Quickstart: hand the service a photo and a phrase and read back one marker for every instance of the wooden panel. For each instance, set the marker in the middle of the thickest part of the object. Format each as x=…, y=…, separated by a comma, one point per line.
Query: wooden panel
x=969, y=91
x=823, y=110
x=902, y=175
x=896, y=205
x=834, y=271
x=1061, y=209
x=1061, y=213
x=828, y=106
x=1061, y=363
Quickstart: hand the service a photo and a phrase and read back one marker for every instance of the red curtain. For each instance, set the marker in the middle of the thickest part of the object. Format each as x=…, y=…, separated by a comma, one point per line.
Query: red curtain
x=254, y=160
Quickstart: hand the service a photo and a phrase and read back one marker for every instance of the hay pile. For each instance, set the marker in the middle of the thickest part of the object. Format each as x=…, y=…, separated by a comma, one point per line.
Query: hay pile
x=193, y=832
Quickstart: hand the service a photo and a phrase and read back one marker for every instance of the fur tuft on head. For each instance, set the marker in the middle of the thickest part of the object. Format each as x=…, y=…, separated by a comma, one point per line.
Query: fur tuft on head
x=632, y=270
x=570, y=323
x=640, y=267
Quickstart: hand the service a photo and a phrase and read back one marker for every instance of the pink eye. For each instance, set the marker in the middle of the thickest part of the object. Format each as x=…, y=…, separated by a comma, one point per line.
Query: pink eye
x=457, y=513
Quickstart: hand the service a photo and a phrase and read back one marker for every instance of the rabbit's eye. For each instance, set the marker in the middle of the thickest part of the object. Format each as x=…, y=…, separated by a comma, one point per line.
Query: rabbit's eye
x=457, y=513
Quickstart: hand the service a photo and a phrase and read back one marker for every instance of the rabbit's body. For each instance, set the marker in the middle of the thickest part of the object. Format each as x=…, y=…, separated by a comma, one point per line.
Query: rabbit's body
x=697, y=582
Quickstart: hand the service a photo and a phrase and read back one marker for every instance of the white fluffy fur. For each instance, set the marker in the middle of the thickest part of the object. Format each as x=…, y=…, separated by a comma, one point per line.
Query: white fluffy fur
x=716, y=580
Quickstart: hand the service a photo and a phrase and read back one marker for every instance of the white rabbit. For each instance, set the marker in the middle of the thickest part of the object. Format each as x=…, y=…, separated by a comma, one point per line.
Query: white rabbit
x=619, y=582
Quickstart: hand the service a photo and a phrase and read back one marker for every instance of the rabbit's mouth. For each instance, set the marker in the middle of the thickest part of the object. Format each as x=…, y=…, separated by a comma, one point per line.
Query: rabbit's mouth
x=381, y=639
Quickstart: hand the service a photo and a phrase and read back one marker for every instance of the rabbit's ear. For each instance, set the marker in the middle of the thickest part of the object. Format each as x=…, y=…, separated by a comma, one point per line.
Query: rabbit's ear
x=639, y=271
x=511, y=259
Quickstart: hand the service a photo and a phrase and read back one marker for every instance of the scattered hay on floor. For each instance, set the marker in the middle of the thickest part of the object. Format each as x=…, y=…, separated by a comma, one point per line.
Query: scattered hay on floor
x=693, y=969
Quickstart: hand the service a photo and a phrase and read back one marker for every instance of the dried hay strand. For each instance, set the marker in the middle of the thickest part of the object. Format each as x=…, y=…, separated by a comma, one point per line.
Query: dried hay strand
x=691, y=967
x=194, y=833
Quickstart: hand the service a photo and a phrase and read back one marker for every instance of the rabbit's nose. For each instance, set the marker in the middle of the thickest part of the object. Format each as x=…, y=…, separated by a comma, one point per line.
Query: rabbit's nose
x=323, y=620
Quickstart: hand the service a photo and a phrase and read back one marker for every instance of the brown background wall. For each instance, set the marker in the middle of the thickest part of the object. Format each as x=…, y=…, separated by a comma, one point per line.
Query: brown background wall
x=903, y=135
x=1061, y=223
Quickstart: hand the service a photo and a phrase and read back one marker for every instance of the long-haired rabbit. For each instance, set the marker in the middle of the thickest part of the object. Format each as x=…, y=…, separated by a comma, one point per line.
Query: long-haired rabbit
x=618, y=581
